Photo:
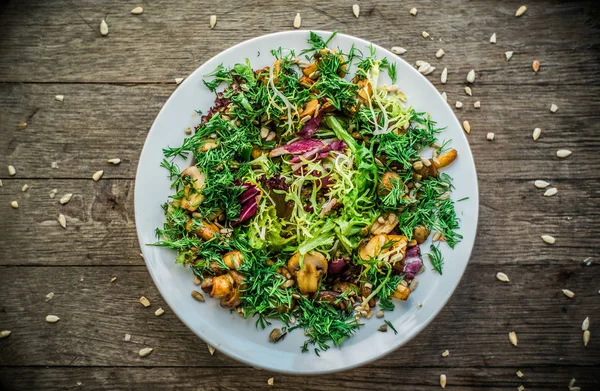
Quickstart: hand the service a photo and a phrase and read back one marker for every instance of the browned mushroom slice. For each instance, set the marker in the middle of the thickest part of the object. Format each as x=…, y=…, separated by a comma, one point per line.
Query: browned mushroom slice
x=397, y=249
x=310, y=108
x=222, y=286
x=192, y=196
x=334, y=298
x=445, y=159
x=309, y=69
x=233, y=259
x=206, y=231
x=307, y=276
x=235, y=297
x=420, y=234
x=342, y=287
x=387, y=183
x=384, y=224
x=372, y=248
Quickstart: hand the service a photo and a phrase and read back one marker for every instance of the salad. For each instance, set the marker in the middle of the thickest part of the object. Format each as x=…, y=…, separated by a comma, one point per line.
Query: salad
x=309, y=196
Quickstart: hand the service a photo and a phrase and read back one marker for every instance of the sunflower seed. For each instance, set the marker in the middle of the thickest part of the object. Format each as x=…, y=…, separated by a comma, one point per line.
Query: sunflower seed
x=137, y=10
x=49, y=296
x=443, y=381
x=444, y=76
x=445, y=96
x=383, y=328
x=569, y=293
x=445, y=353
x=458, y=104
x=66, y=198
x=212, y=21
x=490, y=136
x=188, y=130
x=103, y=28
x=25, y=187
x=413, y=284
x=493, y=38
x=97, y=175
x=413, y=11
x=562, y=153
x=468, y=91
x=572, y=382
x=145, y=302
x=198, y=296
x=52, y=193
x=22, y=124
x=553, y=108
x=0, y=182
x=520, y=374
x=356, y=10
x=471, y=76
x=145, y=351
x=211, y=349
x=520, y=11
x=436, y=236
x=521, y=388
x=423, y=66
x=535, y=65
x=14, y=204
x=52, y=318
x=379, y=314
x=541, y=184
x=271, y=380
x=114, y=161
x=398, y=50
x=536, y=133
x=550, y=192
x=271, y=136
x=508, y=55
x=502, y=277
x=4, y=333
x=297, y=21
x=477, y=104
x=466, y=126
x=112, y=280
x=512, y=337
x=11, y=170
x=178, y=80
x=586, y=324
x=429, y=71
x=574, y=388
x=59, y=98
x=586, y=337
x=425, y=34
x=62, y=220
x=159, y=312
x=548, y=239
x=440, y=53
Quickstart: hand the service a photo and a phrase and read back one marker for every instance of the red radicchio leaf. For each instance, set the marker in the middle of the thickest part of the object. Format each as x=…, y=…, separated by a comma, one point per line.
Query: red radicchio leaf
x=248, y=210
x=310, y=127
x=296, y=148
x=248, y=194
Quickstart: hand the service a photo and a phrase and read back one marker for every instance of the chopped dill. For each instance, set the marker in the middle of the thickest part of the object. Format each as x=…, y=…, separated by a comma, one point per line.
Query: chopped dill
x=435, y=256
x=391, y=326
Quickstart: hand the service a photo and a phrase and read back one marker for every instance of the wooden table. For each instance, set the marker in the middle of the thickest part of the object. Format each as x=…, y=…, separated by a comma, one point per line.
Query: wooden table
x=114, y=86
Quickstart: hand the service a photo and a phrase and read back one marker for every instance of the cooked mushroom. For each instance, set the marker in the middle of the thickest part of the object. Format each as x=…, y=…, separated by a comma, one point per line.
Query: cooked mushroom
x=372, y=248
x=233, y=259
x=307, y=276
x=334, y=298
x=387, y=182
x=206, y=231
x=445, y=159
x=427, y=170
x=222, y=286
x=192, y=196
x=397, y=250
x=384, y=224
x=402, y=292
x=342, y=287
x=420, y=233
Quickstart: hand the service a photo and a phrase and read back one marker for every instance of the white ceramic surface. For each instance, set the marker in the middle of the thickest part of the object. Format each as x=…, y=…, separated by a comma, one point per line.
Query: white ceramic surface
x=238, y=337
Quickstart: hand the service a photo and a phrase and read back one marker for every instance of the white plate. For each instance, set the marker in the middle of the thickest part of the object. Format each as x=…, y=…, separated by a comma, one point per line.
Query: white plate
x=239, y=337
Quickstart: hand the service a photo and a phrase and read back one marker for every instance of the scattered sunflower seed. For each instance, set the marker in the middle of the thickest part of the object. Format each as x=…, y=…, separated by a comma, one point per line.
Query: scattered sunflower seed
x=198, y=296
x=14, y=204
x=550, y=192
x=512, y=337
x=444, y=76
x=477, y=104
x=536, y=133
x=276, y=335
x=458, y=104
x=137, y=10
x=178, y=80
x=25, y=187
x=553, y=108
x=468, y=91
x=188, y=130
x=112, y=280
x=356, y=10
x=521, y=388
x=52, y=318
x=379, y=314
x=429, y=71
x=103, y=28
x=114, y=161
x=11, y=170
x=159, y=312
x=586, y=324
x=574, y=388
x=423, y=66
x=211, y=349
x=383, y=328
x=443, y=381
x=508, y=55
x=66, y=198
x=49, y=296
x=520, y=374
x=569, y=293
x=413, y=11
x=466, y=126
x=97, y=175
x=52, y=193
x=197, y=280
x=502, y=277
x=145, y=351
x=22, y=124
x=440, y=53
x=398, y=50
x=445, y=96
x=59, y=98
x=548, y=239
x=493, y=38
x=563, y=153
x=425, y=34
x=0, y=182
x=62, y=220
x=212, y=21
x=127, y=338
x=535, y=65
x=541, y=184
x=4, y=333
x=297, y=21
x=471, y=76
x=271, y=380
x=572, y=382
x=586, y=337
x=445, y=353
x=145, y=302
x=520, y=11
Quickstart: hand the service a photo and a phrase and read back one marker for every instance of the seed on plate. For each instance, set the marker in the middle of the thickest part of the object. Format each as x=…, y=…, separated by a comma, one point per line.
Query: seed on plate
x=436, y=236
x=188, y=130
x=586, y=324
x=4, y=333
x=520, y=11
x=440, y=53
x=536, y=133
x=553, y=108
x=520, y=374
x=59, y=98
x=97, y=175
x=49, y=296
x=398, y=50
x=445, y=96
x=14, y=204
x=145, y=351
x=198, y=296
x=137, y=10
x=356, y=10
x=413, y=284
x=569, y=293
x=66, y=198
x=444, y=76
x=508, y=55
x=178, y=80
x=586, y=337
x=443, y=381
x=211, y=349
x=62, y=220
x=52, y=318
x=512, y=337
x=468, y=91
x=383, y=328
x=425, y=34
x=276, y=335
x=471, y=76
x=114, y=161
x=379, y=314
x=502, y=277
x=25, y=187
x=540, y=184
x=535, y=65
x=445, y=353
x=11, y=170
x=458, y=104
x=477, y=104
x=466, y=126
x=493, y=38
x=103, y=28
x=159, y=312
x=548, y=239
x=271, y=380
x=213, y=21
x=550, y=192
x=297, y=21
x=563, y=153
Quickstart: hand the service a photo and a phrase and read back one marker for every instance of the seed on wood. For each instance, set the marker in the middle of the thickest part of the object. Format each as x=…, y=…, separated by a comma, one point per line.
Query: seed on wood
x=356, y=10
x=213, y=21
x=520, y=374
x=550, y=192
x=52, y=318
x=574, y=388
x=563, y=153
x=62, y=220
x=0, y=182
x=198, y=296
x=103, y=28
x=49, y=296
x=471, y=76
x=445, y=96
x=468, y=91
x=553, y=108
x=25, y=187
x=536, y=133
x=477, y=104
x=425, y=34
x=493, y=38
x=429, y=70
x=445, y=353
x=4, y=333
x=145, y=302
x=502, y=277
x=297, y=21
x=398, y=50
x=112, y=280
x=66, y=198
x=548, y=239
x=22, y=124
x=586, y=324
x=11, y=170
x=423, y=66
x=586, y=337
x=114, y=161
x=413, y=11
x=458, y=104
x=535, y=65
x=508, y=55
x=444, y=76
x=443, y=381
x=145, y=351
x=541, y=184
x=572, y=382
x=211, y=349
x=383, y=328
x=512, y=337
x=97, y=175
x=14, y=204
x=569, y=293
x=137, y=10
x=52, y=193
x=59, y=98
x=521, y=388
x=271, y=380
x=440, y=53
x=520, y=11
x=466, y=126
x=159, y=312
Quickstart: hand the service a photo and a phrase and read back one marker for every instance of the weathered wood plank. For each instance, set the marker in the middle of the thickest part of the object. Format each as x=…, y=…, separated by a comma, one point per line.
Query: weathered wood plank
x=474, y=325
